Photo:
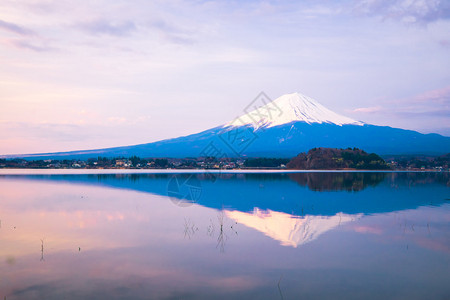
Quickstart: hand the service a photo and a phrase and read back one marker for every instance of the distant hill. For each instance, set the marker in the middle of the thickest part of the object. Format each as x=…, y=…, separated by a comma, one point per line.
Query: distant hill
x=331, y=159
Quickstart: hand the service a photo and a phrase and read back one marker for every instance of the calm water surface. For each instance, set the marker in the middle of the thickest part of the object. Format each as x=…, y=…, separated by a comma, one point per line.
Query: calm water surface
x=225, y=236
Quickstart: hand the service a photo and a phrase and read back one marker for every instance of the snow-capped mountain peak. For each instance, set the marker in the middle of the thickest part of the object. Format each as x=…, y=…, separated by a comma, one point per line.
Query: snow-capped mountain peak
x=290, y=108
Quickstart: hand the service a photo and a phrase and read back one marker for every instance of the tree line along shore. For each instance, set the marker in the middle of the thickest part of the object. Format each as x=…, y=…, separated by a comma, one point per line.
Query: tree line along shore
x=314, y=159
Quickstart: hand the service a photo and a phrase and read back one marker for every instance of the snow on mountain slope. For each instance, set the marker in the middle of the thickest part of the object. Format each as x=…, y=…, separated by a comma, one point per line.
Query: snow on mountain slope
x=290, y=108
x=291, y=124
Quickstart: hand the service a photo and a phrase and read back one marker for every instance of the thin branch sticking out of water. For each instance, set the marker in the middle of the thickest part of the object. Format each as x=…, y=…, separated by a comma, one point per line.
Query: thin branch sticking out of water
x=42, y=250
x=221, y=239
x=279, y=288
x=189, y=228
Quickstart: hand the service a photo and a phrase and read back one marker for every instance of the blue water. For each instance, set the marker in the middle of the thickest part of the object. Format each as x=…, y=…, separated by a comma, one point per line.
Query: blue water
x=337, y=235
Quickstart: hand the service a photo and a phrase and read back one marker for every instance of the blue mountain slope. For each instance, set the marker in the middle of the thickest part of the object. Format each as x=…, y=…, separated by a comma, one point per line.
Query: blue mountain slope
x=289, y=140
x=280, y=141
x=284, y=127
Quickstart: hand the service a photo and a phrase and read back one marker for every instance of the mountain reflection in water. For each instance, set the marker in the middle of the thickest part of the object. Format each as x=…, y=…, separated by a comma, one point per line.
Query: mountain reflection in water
x=323, y=235
x=297, y=194
x=292, y=208
x=290, y=230
x=349, y=181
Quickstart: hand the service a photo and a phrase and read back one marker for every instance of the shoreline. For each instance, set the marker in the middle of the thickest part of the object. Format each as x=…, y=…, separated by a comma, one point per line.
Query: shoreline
x=19, y=171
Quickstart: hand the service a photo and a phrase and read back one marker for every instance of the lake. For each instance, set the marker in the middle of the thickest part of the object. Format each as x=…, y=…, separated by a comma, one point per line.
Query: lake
x=217, y=235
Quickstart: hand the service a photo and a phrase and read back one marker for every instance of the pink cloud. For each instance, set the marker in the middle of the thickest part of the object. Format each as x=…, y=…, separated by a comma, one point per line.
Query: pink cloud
x=439, y=95
x=371, y=109
x=433, y=102
x=444, y=43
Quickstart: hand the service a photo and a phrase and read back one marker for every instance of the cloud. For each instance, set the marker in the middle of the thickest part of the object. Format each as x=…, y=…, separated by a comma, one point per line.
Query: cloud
x=428, y=111
x=117, y=120
x=172, y=33
x=437, y=113
x=444, y=43
x=41, y=131
x=97, y=27
x=441, y=96
x=28, y=39
x=176, y=39
x=434, y=102
x=22, y=44
x=371, y=109
x=14, y=28
x=406, y=11
x=167, y=31
x=164, y=26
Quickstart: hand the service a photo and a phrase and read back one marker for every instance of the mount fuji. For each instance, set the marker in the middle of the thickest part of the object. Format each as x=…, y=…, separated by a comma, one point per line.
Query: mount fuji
x=290, y=124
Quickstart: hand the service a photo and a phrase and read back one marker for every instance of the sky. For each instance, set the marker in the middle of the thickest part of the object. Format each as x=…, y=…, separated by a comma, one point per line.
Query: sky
x=93, y=74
